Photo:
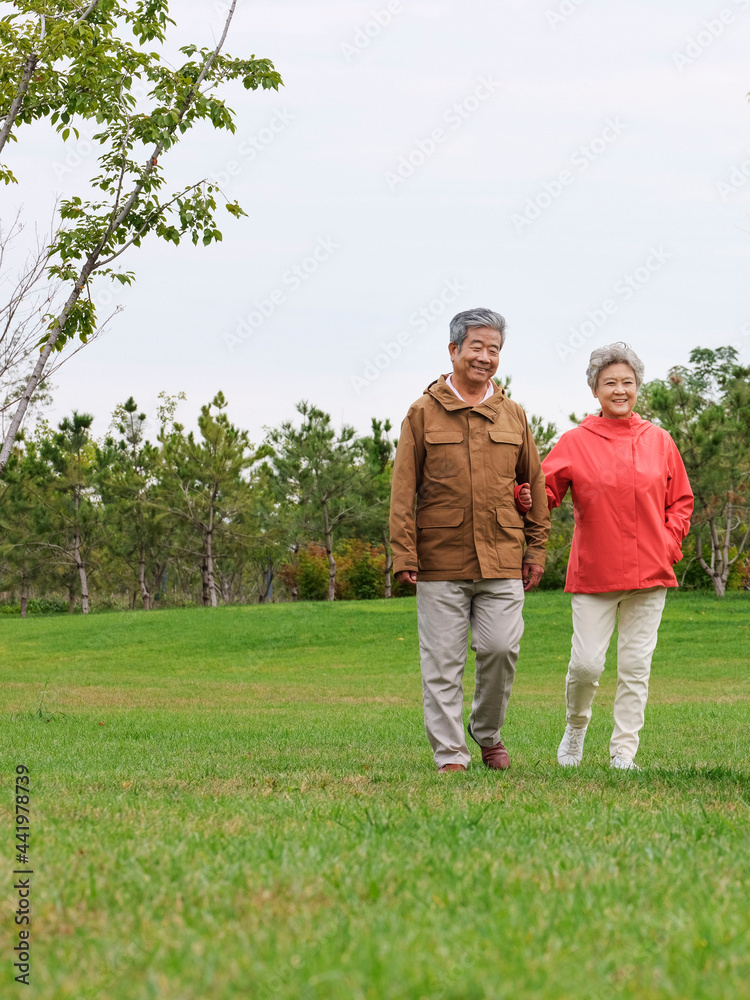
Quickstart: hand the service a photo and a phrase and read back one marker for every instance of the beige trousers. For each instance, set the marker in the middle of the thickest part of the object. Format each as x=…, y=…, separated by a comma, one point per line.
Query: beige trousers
x=445, y=611
x=594, y=617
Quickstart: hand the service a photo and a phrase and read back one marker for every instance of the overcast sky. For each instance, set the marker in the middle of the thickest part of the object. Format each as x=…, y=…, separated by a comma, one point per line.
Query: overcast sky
x=581, y=167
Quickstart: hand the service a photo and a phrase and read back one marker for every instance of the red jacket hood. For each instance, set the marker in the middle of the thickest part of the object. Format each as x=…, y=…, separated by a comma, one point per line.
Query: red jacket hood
x=614, y=428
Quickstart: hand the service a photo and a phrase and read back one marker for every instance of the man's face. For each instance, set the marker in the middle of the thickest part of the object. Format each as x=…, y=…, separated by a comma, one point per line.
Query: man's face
x=478, y=358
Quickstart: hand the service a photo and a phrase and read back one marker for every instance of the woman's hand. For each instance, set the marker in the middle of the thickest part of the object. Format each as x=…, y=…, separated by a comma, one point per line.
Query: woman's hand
x=522, y=494
x=407, y=576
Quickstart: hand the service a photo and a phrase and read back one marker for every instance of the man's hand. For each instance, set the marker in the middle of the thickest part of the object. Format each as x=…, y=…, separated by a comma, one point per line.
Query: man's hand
x=409, y=576
x=532, y=574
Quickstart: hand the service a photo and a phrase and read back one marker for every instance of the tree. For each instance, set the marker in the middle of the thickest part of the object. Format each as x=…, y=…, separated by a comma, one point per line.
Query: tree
x=138, y=530
x=205, y=483
x=562, y=517
x=378, y=473
x=319, y=474
x=705, y=406
x=27, y=300
x=271, y=526
x=68, y=517
x=544, y=434
x=68, y=62
x=21, y=556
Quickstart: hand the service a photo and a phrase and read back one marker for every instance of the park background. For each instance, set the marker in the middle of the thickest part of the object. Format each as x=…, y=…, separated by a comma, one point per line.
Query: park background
x=230, y=790
x=309, y=163
x=582, y=169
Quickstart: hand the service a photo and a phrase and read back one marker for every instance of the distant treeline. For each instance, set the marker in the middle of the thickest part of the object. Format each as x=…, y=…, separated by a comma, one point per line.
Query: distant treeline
x=210, y=517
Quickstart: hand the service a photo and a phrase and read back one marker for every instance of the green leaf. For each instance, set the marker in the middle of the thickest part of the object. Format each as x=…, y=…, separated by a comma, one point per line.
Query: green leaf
x=235, y=209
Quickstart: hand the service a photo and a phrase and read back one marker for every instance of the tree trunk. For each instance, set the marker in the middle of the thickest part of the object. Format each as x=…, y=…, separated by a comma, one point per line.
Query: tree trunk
x=266, y=596
x=78, y=559
x=210, y=558
x=23, y=85
x=204, y=580
x=24, y=597
x=71, y=599
x=160, y=580
x=329, y=553
x=718, y=578
x=142, y=579
x=295, y=588
x=81, y=572
x=388, y=564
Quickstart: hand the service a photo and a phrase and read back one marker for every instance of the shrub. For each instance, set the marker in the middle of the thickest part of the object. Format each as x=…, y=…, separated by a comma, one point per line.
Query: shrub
x=38, y=606
x=359, y=575
x=558, y=548
x=312, y=574
x=359, y=572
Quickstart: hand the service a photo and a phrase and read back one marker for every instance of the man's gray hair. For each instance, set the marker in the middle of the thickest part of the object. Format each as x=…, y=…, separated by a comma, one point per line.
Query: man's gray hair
x=464, y=321
x=613, y=354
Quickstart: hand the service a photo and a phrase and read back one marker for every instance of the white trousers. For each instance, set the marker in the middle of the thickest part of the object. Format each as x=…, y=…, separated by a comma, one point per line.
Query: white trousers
x=594, y=617
x=445, y=610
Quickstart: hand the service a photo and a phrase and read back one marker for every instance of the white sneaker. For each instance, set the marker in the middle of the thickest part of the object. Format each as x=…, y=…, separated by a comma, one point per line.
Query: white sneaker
x=622, y=761
x=570, y=751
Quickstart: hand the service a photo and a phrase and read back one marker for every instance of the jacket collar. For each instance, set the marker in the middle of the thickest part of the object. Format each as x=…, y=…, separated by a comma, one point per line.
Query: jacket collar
x=612, y=429
x=442, y=392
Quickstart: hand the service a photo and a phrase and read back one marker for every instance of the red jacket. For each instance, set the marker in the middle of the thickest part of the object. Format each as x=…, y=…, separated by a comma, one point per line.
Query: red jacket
x=631, y=499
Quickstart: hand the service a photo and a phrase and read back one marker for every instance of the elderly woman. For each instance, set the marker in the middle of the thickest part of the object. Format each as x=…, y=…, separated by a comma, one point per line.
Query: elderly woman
x=632, y=503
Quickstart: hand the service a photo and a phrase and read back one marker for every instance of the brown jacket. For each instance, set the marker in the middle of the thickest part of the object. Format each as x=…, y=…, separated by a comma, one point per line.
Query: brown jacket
x=460, y=463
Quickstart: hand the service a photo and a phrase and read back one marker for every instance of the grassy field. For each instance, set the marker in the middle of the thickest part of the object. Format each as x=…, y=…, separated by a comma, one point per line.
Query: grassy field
x=242, y=803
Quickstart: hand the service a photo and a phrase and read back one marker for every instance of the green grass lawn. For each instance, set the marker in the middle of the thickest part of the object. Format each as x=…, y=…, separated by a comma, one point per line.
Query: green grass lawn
x=242, y=802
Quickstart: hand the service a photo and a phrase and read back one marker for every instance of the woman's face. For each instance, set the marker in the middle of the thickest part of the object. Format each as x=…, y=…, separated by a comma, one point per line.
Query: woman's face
x=616, y=391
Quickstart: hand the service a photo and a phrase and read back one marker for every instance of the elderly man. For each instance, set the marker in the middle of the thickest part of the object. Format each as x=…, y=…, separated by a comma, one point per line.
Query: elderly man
x=457, y=534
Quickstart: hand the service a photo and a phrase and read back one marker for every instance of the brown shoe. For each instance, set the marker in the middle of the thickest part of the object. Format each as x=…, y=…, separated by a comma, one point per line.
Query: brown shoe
x=496, y=757
x=451, y=767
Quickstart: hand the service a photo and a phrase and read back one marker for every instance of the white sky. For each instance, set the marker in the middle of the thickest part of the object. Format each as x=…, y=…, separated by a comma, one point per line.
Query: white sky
x=638, y=233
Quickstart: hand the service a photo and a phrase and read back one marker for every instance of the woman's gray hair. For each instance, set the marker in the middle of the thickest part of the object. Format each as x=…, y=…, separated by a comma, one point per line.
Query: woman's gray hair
x=613, y=354
x=464, y=321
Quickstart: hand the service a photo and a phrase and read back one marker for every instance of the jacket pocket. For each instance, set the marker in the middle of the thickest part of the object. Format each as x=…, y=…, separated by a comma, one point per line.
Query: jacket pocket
x=440, y=539
x=674, y=549
x=504, y=448
x=444, y=455
x=509, y=537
